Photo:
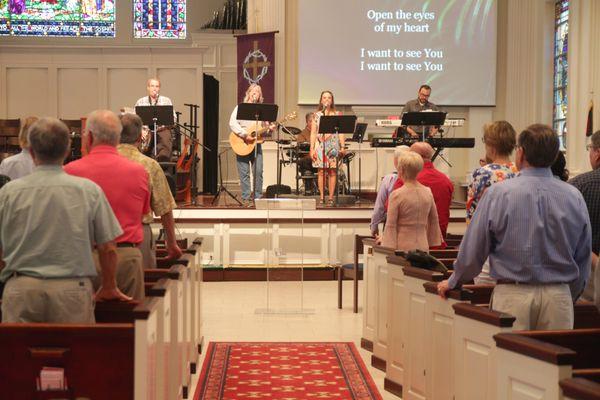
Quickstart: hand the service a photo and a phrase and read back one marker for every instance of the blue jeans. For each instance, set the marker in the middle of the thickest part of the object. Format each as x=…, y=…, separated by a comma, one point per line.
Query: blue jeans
x=244, y=163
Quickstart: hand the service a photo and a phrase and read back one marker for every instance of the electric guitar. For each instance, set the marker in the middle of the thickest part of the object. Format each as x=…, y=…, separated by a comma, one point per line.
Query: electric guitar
x=243, y=147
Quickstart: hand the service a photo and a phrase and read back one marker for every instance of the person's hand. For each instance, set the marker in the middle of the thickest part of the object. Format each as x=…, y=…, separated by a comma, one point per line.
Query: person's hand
x=313, y=155
x=443, y=289
x=378, y=239
x=272, y=126
x=249, y=139
x=174, y=252
x=110, y=294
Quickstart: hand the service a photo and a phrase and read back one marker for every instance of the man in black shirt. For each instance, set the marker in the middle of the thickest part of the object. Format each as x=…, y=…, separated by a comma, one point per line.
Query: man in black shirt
x=421, y=103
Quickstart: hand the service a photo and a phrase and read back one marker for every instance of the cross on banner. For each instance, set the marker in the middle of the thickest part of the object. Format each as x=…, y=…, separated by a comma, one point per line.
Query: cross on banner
x=255, y=55
x=256, y=64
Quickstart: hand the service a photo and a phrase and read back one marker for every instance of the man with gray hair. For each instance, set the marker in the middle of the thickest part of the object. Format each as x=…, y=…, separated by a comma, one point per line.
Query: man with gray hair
x=161, y=199
x=125, y=184
x=535, y=229
x=49, y=223
x=589, y=185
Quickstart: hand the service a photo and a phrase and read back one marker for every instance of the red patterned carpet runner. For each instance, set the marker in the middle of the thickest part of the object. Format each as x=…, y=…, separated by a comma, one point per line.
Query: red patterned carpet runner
x=284, y=371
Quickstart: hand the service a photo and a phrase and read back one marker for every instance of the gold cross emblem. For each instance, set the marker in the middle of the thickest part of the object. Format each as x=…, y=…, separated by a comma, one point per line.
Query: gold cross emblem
x=255, y=64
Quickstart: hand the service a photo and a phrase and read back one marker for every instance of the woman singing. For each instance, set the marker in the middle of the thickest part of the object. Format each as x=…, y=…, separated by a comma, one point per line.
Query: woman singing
x=325, y=149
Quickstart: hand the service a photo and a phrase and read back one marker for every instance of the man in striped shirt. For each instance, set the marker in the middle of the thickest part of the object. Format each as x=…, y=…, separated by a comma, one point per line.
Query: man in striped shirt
x=536, y=231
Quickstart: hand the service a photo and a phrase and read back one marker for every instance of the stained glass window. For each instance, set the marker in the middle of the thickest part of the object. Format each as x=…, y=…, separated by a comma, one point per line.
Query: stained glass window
x=561, y=35
x=57, y=18
x=159, y=19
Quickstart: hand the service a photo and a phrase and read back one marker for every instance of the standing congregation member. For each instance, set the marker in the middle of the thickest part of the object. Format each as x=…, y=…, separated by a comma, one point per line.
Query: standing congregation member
x=161, y=199
x=412, y=220
x=164, y=145
x=589, y=185
x=385, y=189
x=253, y=162
x=500, y=140
x=535, y=229
x=440, y=185
x=125, y=184
x=21, y=164
x=326, y=149
x=49, y=224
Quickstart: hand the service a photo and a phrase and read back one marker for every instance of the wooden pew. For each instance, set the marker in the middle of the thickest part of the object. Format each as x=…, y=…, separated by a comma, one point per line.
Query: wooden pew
x=375, y=311
x=580, y=389
x=176, y=381
x=369, y=311
x=106, y=360
x=475, y=357
x=532, y=363
x=420, y=328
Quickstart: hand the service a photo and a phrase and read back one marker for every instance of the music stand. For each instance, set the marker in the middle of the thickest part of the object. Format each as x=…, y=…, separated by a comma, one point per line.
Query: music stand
x=154, y=116
x=257, y=112
x=359, y=135
x=423, y=119
x=336, y=124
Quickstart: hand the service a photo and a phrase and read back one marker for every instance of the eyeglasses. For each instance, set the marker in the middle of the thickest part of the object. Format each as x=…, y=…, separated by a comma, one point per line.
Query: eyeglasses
x=590, y=146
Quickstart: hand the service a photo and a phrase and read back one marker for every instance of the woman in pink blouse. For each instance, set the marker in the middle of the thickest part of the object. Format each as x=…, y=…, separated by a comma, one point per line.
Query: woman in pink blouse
x=412, y=219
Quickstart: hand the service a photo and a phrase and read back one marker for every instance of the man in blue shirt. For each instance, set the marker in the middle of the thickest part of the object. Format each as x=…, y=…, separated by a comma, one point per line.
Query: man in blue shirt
x=536, y=232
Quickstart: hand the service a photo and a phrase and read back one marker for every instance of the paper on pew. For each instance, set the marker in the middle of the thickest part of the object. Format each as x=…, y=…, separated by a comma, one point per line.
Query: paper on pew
x=52, y=378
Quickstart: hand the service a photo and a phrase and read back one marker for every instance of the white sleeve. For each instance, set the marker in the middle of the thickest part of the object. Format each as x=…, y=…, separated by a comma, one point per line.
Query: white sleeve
x=235, y=125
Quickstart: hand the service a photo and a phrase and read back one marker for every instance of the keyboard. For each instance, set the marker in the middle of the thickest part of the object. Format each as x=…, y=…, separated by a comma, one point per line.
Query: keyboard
x=460, y=143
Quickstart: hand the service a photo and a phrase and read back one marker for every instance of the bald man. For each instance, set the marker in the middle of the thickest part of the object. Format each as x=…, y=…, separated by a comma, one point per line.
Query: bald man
x=440, y=185
x=125, y=184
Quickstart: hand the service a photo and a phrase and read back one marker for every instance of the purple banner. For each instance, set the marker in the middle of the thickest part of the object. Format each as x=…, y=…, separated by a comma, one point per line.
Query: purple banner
x=256, y=64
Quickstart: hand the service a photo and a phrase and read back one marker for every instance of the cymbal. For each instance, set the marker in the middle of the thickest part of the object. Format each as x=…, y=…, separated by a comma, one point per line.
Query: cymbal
x=293, y=130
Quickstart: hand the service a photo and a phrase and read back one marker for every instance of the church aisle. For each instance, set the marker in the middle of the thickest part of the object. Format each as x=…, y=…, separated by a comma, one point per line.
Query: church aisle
x=229, y=315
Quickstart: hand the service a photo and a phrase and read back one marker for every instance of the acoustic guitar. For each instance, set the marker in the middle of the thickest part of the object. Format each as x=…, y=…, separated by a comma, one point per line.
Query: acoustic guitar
x=243, y=147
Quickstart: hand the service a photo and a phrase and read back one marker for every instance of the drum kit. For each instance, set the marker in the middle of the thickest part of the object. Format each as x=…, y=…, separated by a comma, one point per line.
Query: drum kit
x=298, y=153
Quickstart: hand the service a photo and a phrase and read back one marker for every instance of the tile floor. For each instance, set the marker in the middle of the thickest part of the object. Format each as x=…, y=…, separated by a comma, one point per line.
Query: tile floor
x=229, y=314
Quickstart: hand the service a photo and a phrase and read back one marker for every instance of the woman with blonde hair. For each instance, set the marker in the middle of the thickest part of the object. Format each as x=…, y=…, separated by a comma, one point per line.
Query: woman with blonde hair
x=20, y=165
x=253, y=161
x=326, y=149
x=412, y=219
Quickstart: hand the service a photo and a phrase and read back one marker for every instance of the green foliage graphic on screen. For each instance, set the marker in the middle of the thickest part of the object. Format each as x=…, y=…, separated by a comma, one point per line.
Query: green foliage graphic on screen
x=62, y=18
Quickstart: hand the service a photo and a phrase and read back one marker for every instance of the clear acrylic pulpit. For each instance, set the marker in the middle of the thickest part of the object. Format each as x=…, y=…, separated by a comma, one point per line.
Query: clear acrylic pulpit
x=284, y=254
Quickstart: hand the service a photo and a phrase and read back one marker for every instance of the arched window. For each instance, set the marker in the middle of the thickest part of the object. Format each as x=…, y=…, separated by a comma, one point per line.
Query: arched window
x=159, y=19
x=561, y=35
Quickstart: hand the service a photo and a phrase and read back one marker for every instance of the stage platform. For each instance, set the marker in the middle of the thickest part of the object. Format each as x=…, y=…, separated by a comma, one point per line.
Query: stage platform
x=240, y=242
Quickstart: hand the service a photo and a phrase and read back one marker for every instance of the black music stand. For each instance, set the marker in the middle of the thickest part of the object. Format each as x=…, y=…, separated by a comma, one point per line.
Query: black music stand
x=359, y=135
x=336, y=124
x=257, y=112
x=423, y=119
x=154, y=116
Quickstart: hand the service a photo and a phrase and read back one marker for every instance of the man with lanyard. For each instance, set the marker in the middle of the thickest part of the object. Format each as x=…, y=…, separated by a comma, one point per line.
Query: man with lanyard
x=164, y=147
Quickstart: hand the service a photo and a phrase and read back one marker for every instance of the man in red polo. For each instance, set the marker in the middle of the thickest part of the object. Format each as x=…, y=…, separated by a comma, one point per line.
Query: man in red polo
x=441, y=186
x=125, y=184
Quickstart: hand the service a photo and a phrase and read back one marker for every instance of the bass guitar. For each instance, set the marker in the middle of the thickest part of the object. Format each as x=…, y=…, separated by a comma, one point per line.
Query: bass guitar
x=243, y=147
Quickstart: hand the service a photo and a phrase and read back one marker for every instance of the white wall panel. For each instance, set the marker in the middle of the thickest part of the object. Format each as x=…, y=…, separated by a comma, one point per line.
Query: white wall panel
x=78, y=92
x=28, y=91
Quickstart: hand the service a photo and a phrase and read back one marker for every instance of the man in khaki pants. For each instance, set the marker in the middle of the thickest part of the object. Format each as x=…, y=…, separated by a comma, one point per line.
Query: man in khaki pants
x=536, y=231
x=125, y=184
x=49, y=223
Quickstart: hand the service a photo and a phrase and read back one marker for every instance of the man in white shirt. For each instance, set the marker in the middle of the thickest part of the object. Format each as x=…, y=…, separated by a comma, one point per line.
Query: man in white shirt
x=164, y=147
